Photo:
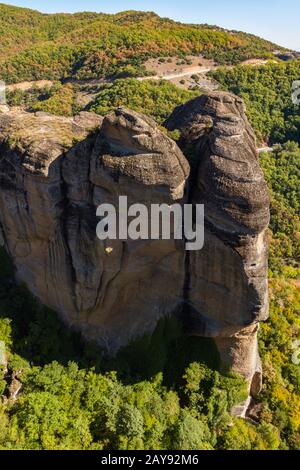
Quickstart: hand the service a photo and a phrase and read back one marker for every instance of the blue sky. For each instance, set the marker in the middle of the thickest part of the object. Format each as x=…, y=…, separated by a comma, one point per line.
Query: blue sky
x=277, y=20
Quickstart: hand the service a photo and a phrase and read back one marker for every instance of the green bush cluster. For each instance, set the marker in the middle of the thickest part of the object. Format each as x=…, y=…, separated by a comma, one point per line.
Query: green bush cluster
x=74, y=398
x=61, y=101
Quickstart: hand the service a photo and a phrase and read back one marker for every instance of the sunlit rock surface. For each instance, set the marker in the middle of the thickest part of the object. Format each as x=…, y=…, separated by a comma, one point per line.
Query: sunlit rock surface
x=55, y=171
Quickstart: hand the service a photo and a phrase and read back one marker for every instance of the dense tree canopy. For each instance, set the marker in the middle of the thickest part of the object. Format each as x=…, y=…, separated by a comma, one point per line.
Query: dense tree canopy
x=282, y=171
x=267, y=92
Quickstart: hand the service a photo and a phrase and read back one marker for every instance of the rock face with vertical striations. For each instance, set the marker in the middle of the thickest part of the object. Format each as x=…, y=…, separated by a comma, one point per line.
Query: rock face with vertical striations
x=228, y=292
x=54, y=172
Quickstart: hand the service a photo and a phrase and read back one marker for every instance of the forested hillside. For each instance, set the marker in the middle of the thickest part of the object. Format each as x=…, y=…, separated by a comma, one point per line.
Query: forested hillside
x=267, y=92
x=88, y=45
x=164, y=391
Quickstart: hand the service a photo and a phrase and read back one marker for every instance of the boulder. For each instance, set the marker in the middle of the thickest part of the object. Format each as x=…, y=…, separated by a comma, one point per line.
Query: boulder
x=228, y=291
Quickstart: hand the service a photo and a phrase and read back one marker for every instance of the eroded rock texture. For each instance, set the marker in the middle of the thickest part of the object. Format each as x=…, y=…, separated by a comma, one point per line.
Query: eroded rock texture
x=228, y=292
x=54, y=172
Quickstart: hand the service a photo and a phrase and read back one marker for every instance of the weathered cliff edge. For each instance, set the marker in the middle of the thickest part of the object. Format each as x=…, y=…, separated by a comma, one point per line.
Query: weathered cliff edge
x=54, y=172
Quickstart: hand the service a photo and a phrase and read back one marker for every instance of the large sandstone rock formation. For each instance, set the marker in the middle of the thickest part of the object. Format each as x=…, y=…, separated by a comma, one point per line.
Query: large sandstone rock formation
x=54, y=172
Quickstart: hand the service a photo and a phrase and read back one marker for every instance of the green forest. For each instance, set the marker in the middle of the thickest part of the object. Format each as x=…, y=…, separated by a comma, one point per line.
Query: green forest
x=90, y=45
x=154, y=98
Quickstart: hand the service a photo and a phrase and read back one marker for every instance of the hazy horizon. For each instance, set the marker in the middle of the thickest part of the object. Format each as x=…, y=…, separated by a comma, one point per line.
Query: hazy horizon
x=271, y=20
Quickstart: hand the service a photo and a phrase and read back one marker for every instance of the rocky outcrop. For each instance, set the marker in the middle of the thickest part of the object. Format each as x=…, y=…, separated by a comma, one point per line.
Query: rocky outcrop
x=53, y=175
x=228, y=293
x=55, y=171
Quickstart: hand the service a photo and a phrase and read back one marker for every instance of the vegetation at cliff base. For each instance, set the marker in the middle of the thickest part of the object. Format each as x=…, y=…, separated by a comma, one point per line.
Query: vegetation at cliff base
x=73, y=398
x=280, y=397
x=156, y=99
